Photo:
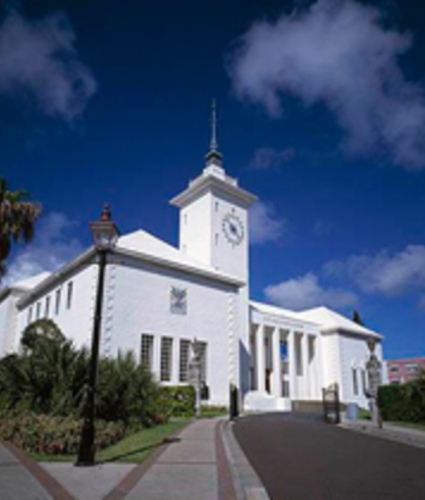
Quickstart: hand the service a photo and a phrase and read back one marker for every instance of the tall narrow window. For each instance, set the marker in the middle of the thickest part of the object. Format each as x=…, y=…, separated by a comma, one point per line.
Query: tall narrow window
x=355, y=384
x=58, y=301
x=29, y=318
x=38, y=310
x=203, y=356
x=69, y=295
x=47, y=308
x=146, y=354
x=184, y=360
x=166, y=359
x=364, y=380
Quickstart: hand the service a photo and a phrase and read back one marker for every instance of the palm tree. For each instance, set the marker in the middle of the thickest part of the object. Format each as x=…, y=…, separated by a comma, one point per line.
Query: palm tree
x=17, y=218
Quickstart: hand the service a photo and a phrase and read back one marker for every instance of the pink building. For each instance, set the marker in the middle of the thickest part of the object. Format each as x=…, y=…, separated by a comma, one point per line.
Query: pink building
x=404, y=370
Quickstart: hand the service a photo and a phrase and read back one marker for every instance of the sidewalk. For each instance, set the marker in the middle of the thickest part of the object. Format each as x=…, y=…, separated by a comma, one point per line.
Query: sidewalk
x=391, y=431
x=203, y=462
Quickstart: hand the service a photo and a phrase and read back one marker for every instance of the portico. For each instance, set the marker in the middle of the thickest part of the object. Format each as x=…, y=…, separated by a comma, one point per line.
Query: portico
x=285, y=359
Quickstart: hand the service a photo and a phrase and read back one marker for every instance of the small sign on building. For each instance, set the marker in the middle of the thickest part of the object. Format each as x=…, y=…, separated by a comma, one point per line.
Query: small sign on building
x=178, y=300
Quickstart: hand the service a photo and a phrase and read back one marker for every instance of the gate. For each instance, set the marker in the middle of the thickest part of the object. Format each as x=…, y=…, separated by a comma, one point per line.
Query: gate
x=331, y=410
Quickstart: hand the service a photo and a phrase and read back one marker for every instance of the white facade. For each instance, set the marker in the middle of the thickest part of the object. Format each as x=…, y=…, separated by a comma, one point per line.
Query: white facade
x=159, y=298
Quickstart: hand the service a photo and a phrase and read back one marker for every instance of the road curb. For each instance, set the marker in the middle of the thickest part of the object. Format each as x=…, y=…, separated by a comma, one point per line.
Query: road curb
x=388, y=434
x=248, y=485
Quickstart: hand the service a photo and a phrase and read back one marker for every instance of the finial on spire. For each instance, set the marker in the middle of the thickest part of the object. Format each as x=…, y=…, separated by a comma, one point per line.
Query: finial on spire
x=214, y=156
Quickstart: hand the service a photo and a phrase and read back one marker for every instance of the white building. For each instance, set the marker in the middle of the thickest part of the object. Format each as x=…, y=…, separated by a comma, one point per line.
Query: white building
x=158, y=298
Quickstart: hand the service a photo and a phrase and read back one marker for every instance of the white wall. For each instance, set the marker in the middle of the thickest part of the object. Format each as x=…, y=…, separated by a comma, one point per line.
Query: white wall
x=195, y=229
x=9, y=322
x=75, y=322
x=354, y=354
x=138, y=301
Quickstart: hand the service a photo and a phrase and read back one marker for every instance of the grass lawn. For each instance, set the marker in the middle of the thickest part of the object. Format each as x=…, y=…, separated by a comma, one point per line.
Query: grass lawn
x=420, y=427
x=134, y=448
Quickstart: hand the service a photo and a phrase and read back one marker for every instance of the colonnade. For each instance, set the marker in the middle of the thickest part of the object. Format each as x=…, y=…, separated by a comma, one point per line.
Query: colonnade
x=285, y=371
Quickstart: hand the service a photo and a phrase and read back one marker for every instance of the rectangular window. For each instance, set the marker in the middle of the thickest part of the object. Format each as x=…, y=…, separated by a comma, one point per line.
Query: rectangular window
x=184, y=360
x=29, y=318
x=364, y=381
x=47, y=308
x=355, y=385
x=69, y=295
x=38, y=310
x=166, y=359
x=58, y=301
x=146, y=353
x=203, y=356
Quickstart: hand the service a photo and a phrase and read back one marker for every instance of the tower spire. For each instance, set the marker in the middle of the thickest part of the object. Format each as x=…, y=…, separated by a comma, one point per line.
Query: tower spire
x=213, y=143
x=214, y=156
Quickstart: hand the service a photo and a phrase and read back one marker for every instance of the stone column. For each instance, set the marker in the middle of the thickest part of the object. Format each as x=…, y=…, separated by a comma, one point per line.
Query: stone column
x=293, y=394
x=277, y=371
x=260, y=368
x=306, y=374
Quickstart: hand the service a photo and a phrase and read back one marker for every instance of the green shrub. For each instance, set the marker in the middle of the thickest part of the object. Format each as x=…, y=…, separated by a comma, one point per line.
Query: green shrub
x=403, y=403
x=47, y=435
x=176, y=401
x=127, y=392
x=210, y=411
x=49, y=377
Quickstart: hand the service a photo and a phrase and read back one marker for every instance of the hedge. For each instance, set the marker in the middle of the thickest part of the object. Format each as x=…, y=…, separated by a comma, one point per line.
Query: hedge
x=176, y=401
x=49, y=435
x=403, y=403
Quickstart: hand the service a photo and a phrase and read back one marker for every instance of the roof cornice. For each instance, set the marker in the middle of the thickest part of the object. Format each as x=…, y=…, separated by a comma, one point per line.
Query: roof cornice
x=223, y=278
x=86, y=256
x=206, y=183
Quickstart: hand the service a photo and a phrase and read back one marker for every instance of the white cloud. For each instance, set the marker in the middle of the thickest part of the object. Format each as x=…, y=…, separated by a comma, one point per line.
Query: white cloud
x=385, y=273
x=39, y=64
x=264, y=226
x=51, y=248
x=305, y=292
x=338, y=53
x=266, y=158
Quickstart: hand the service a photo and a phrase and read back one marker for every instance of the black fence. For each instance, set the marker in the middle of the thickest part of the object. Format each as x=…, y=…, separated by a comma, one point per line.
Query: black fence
x=331, y=405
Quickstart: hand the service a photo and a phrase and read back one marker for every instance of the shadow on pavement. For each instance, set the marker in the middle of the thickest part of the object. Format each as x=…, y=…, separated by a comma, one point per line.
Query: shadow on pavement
x=165, y=441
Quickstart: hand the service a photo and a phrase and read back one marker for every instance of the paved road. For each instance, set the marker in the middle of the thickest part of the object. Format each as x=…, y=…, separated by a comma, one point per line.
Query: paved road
x=299, y=459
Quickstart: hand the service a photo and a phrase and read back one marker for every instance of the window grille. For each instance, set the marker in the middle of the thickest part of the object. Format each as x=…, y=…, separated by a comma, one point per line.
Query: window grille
x=203, y=360
x=29, y=319
x=184, y=360
x=146, y=353
x=47, y=308
x=58, y=301
x=355, y=384
x=69, y=295
x=364, y=380
x=166, y=359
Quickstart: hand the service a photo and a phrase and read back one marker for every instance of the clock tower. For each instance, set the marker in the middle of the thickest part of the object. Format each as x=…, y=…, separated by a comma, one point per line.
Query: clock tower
x=214, y=216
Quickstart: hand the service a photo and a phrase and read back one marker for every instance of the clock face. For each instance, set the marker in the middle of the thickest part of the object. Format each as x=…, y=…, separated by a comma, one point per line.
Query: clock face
x=233, y=229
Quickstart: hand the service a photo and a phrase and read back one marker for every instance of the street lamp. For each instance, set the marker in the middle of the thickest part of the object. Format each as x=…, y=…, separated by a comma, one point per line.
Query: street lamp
x=105, y=236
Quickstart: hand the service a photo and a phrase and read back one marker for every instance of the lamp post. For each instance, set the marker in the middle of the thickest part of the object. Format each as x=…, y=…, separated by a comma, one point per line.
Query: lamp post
x=105, y=235
x=373, y=367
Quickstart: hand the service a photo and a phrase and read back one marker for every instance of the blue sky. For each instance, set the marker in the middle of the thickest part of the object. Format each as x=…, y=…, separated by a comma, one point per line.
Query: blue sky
x=321, y=113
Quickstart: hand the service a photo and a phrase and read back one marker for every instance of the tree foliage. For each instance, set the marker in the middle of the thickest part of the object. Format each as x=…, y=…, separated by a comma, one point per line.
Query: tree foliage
x=357, y=318
x=17, y=219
